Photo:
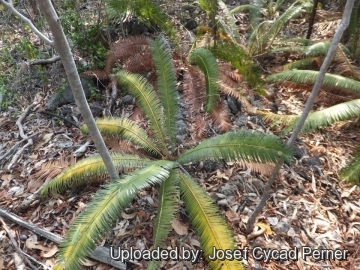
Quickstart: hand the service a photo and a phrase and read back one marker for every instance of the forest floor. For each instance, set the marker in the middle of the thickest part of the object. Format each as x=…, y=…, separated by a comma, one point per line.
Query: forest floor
x=309, y=205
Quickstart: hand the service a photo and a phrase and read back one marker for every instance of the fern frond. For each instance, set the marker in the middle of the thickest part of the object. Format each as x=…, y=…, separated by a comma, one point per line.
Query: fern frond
x=208, y=65
x=105, y=208
x=85, y=170
x=244, y=145
x=351, y=173
x=168, y=205
x=127, y=130
x=308, y=77
x=208, y=223
x=148, y=100
x=166, y=86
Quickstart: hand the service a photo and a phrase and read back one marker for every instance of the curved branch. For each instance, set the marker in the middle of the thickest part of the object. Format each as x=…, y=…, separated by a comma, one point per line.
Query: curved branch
x=14, y=11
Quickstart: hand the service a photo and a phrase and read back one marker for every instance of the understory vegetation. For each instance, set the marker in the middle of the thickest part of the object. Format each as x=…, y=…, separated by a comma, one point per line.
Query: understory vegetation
x=186, y=82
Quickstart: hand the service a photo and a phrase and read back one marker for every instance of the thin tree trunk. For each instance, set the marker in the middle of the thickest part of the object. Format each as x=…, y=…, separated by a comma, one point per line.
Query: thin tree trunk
x=312, y=19
x=319, y=81
x=62, y=47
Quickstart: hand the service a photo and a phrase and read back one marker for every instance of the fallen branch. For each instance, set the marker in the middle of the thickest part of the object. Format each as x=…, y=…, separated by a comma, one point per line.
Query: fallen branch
x=100, y=254
x=45, y=61
x=18, y=250
x=17, y=144
x=22, y=135
x=309, y=104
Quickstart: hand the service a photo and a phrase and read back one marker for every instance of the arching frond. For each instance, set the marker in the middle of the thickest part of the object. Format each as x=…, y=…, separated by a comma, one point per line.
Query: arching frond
x=278, y=119
x=85, y=170
x=168, y=206
x=166, y=85
x=210, y=6
x=148, y=100
x=264, y=41
x=104, y=210
x=301, y=64
x=308, y=77
x=244, y=145
x=145, y=10
x=340, y=112
x=230, y=27
x=208, y=65
x=127, y=130
x=242, y=61
x=243, y=8
x=351, y=173
x=320, y=48
x=208, y=223
x=316, y=49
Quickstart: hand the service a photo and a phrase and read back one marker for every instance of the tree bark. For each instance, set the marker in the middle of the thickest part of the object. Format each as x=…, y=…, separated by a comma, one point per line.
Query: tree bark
x=62, y=47
x=319, y=81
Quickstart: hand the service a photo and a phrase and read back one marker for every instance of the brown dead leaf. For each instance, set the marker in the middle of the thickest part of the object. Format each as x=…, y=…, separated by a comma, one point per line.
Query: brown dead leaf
x=232, y=215
x=179, y=228
x=48, y=171
x=7, y=177
x=221, y=175
x=46, y=252
x=49, y=252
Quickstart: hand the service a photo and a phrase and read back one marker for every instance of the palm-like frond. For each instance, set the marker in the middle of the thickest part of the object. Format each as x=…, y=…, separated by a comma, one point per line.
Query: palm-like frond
x=210, y=6
x=244, y=145
x=148, y=100
x=208, y=223
x=317, y=49
x=127, y=130
x=308, y=77
x=230, y=27
x=351, y=173
x=278, y=119
x=208, y=65
x=146, y=10
x=301, y=64
x=241, y=60
x=340, y=112
x=168, y=205
x=260, y=42
x=166, y=85
x=104, y=210
x=247, y=7
x=90, y=168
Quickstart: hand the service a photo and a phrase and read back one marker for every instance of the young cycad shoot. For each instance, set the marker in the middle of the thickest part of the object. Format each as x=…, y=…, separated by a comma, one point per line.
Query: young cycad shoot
x=164, y=167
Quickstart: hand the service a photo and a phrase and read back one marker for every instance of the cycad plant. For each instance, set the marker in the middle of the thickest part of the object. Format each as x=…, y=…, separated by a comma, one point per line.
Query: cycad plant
x=164, y=167
x=265, y=33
